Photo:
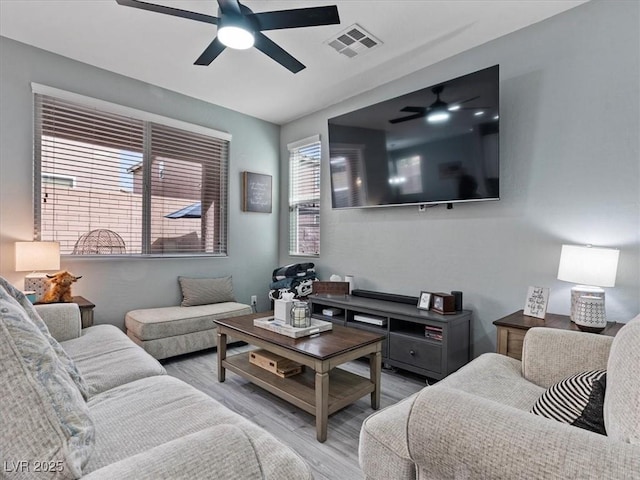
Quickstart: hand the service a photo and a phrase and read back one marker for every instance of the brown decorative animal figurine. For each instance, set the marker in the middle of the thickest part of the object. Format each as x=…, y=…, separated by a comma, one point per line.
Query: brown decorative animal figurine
x=60, y=287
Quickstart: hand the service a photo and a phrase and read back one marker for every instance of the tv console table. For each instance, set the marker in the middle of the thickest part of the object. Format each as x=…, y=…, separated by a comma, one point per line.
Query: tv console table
x=405, y=345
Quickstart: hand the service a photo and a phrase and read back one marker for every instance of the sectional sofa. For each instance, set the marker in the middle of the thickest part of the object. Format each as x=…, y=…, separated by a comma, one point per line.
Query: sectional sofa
x=92, y=404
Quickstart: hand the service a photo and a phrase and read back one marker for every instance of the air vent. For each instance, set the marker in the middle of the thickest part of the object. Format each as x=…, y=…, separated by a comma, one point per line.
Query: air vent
x=353, y=41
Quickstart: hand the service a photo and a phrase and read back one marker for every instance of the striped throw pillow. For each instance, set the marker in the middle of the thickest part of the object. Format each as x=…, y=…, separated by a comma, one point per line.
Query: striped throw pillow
x=577, y=400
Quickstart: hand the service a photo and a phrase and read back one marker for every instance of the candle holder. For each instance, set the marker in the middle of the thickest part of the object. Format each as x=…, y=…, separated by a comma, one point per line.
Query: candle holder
x=300, y=315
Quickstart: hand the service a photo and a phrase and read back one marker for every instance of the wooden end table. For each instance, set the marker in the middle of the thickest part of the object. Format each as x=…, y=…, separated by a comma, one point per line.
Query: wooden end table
x=86, y=311
x=322, y=389
x=512, y=329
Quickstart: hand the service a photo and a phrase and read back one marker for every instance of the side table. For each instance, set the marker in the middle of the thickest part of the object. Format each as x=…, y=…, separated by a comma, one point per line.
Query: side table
x=512, y=328
x=86, y=311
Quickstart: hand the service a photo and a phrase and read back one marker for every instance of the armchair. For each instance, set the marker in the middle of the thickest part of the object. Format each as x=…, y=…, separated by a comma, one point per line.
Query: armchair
x=476, y=422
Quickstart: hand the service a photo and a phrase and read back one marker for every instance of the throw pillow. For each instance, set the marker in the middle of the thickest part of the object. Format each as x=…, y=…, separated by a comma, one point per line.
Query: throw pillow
x=32, y=315
x=43, y=414
x=577, y=400
x=204, y=291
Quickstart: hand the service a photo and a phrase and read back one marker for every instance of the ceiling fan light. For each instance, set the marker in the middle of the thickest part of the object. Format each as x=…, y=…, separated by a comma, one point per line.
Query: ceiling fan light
x=236, y=37
x=438, y=116
x=454, y=108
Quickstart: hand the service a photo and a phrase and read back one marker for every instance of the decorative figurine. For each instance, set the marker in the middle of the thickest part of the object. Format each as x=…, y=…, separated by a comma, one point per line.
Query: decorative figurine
x=60, y=287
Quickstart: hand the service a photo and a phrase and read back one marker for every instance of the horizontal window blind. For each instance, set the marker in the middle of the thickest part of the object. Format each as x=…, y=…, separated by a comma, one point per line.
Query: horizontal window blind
x=188, y=171
x=112, y=184
x=304, y=197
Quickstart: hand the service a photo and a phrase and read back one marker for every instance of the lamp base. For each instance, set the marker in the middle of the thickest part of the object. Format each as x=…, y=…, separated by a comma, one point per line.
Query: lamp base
x=583, y=290
x=590, y=329
x=590, y=316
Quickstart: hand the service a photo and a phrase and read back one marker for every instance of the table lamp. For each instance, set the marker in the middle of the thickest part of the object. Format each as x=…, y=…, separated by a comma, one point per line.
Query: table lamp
x=35, y=257
x=591, y=268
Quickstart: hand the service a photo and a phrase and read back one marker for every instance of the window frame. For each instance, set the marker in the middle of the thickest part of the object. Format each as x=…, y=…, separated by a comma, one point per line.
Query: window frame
x=147, y=118
x=294, y=148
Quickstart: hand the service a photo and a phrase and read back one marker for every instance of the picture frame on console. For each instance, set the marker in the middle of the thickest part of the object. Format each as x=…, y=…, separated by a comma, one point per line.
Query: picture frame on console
x=424, y=301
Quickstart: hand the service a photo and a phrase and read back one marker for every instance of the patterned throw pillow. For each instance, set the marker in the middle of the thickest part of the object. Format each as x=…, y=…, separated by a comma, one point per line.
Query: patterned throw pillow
x=39, y=389
x=577, y=400
x=205, y=291
x=33, y=316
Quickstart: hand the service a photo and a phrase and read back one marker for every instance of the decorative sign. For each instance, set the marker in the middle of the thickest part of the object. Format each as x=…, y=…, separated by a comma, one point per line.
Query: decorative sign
x=536, y=303
x=330, y=288
x=256, y=195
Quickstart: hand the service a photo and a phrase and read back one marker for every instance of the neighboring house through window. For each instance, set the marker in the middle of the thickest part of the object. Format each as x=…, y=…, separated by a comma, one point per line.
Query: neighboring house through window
x=304, y=197
x=158, y=183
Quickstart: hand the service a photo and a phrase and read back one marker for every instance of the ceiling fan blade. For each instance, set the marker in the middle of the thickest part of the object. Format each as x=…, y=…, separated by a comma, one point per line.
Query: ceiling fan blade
x=210, y=53
x=176, y=12
x=414, y=109
x=271, y=49
x=229, y=6
x=298, y=17
x=405, y=119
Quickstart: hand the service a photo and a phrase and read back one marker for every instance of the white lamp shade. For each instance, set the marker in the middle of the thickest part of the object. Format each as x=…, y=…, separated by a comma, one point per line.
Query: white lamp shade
x=588, y=265
x=32, y=256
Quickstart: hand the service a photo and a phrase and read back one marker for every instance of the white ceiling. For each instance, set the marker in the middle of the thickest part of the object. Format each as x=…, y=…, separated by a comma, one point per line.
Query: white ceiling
x=160, y=49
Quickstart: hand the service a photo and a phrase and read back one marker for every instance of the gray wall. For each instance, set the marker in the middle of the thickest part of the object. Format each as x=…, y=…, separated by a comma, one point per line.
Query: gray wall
x=570, y=153
x=117, y=286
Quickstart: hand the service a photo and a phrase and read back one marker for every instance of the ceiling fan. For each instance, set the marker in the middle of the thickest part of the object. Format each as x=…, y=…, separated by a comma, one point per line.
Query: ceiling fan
x=240, y=28
x=438, y=112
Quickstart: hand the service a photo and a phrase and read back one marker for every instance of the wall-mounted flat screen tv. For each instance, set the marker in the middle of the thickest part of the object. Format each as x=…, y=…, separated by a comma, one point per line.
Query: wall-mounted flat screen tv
x=436, y=145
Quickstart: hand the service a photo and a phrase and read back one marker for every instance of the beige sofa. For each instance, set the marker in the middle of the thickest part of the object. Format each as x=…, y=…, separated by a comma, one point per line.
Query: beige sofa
x=476, y=424
x=136, y=422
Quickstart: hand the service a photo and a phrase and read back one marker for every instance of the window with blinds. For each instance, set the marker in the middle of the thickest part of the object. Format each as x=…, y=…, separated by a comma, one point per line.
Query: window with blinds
x=347, y=172
x=107, y=183
x=304, y=197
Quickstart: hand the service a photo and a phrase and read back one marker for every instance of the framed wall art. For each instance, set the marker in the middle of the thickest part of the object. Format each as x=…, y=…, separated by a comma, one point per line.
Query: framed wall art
x=256, y=192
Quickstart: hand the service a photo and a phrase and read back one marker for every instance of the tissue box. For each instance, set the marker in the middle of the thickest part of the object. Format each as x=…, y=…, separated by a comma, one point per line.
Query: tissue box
x=31, y=295
x=282, y=310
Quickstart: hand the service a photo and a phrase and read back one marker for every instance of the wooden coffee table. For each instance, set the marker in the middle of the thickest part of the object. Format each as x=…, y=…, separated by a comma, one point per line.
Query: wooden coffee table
x=322, y=389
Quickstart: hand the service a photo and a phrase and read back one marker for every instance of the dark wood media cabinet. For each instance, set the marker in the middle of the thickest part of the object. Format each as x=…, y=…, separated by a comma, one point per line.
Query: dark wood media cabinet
x=405, y=345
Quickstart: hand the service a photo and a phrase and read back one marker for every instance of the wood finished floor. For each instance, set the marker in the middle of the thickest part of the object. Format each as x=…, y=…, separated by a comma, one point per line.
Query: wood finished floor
x=335, y=459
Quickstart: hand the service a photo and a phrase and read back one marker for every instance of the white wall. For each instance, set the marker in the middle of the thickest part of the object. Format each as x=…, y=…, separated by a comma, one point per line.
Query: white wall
x=570, y=173
x=117, y=286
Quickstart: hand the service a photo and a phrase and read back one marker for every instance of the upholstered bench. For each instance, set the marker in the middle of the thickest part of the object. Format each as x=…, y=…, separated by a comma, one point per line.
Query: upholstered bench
x=168, y=331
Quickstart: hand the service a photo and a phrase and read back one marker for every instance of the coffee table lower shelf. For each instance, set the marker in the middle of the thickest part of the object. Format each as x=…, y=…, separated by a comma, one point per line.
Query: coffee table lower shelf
x=299, y=390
